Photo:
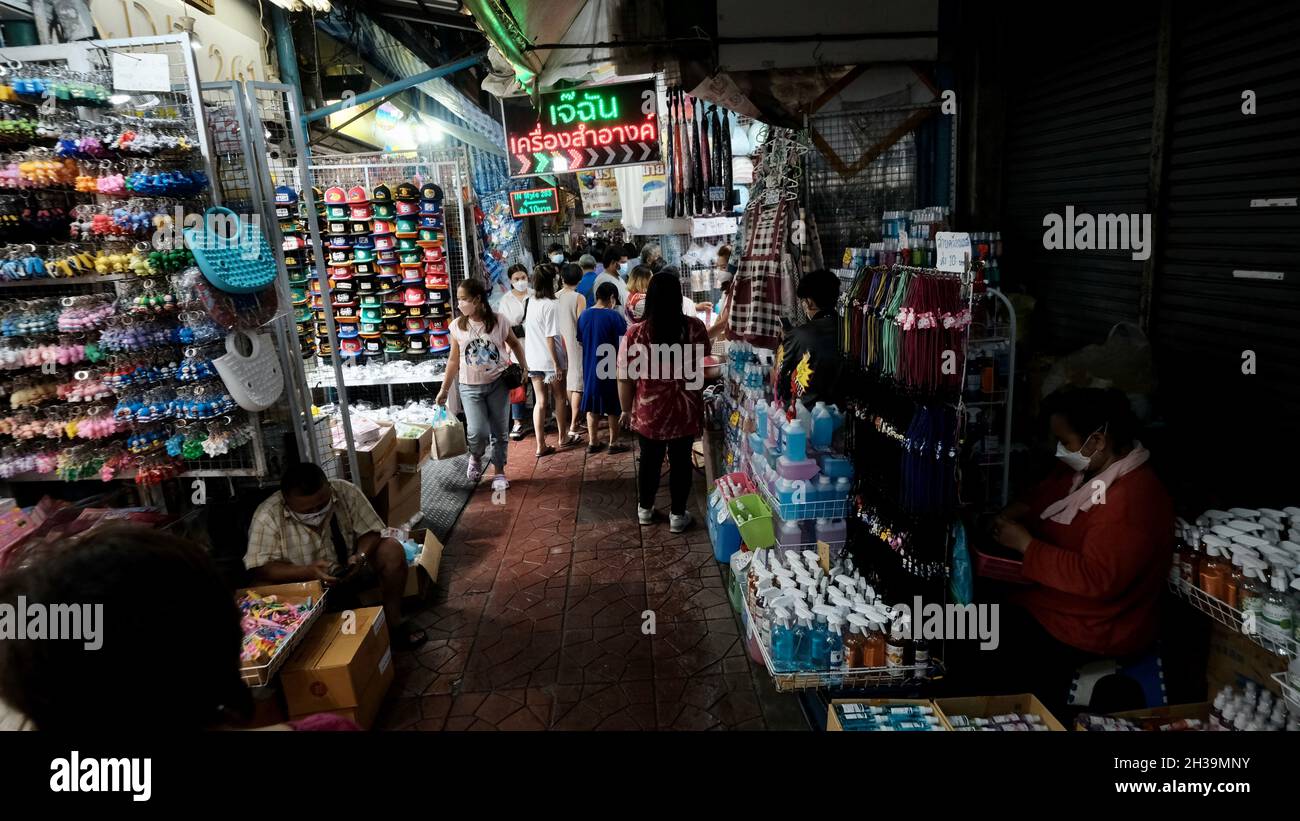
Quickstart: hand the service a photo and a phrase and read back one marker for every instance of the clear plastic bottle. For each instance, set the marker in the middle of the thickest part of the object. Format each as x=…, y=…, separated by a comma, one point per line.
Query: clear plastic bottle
x=1252, y=593
x=855, y=642
x=1213, y=575
x=834, y=647
x=1276, y=613
x=802, y=644
x=783, y=641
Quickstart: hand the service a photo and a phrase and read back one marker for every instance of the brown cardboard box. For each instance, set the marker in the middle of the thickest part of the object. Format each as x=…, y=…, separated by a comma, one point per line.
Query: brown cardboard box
x=989, y=706
x=449, y=441
x=425, y=570
x=833, y=721
x=1234, y=658
x=399, y=500
x=338, y=672
x=376, y=463
x=412, y=453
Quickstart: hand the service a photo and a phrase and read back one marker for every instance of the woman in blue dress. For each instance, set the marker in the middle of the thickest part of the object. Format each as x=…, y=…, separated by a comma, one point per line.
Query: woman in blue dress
x=599, y=330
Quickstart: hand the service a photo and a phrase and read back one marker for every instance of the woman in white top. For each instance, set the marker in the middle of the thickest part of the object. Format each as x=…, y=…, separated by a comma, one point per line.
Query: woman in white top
x=512, y=307
x=544, y=349
x=571, y=304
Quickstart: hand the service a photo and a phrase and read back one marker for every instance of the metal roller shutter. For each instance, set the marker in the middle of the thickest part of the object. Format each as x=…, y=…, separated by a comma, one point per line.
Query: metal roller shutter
x=1078, y=132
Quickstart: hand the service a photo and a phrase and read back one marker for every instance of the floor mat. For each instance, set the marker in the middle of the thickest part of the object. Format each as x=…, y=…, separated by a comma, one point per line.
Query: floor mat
x=444, y=490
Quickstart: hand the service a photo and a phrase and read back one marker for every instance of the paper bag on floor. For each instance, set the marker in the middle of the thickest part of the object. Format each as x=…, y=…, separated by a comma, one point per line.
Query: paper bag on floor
x=448, y=440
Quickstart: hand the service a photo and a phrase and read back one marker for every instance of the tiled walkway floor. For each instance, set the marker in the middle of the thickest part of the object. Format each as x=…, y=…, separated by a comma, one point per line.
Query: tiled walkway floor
x=541, y=616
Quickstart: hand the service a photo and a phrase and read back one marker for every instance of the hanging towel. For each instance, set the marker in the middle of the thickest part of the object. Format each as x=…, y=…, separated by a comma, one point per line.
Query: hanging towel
x=631, y=195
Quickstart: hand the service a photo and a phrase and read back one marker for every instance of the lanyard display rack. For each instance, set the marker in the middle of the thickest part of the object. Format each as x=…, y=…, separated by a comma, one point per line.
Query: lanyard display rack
x=177, y=109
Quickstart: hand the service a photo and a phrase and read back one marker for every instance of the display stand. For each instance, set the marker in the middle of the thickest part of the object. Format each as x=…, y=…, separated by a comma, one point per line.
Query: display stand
x=174, y=111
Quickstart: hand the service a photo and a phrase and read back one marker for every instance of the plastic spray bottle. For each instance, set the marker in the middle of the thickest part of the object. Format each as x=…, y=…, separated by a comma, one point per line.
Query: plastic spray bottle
x=802, y=644
x=784, y=640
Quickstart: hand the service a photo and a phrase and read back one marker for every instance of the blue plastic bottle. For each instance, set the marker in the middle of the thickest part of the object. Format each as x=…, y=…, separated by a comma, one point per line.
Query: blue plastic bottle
x=760, y=420
x=796, y=442
x=823, y=490
x=802, y=646
x=818, y=645
x=783, y=641
x=823, y=427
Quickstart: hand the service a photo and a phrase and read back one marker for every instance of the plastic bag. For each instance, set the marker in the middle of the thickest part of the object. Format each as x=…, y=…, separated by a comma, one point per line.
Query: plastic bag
x=1123, y=361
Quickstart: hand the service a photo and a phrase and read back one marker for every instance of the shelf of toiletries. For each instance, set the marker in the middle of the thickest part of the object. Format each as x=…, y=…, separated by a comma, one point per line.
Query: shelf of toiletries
x=1261, y=632
x=812, y=619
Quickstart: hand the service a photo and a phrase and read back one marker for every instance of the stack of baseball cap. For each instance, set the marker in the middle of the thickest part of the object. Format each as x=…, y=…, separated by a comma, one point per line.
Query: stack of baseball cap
x=409, y=298
x=431, y=238
x=296, y=247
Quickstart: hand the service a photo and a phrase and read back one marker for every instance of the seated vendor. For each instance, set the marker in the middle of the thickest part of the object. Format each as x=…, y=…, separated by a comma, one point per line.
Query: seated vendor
x=318, y=529
x=810, y=353
x=1096, y=537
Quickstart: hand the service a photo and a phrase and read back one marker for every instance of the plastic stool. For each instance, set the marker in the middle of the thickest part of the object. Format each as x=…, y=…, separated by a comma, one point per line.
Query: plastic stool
x=1146, y=670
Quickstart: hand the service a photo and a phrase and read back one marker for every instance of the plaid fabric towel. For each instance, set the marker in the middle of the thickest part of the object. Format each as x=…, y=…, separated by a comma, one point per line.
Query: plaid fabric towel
x=756, y=306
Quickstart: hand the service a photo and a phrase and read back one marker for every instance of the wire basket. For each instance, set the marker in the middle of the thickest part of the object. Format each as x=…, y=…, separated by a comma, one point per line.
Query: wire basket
x=798, y=511
x=845, y=679
x=1231, y=617
x=261, y=675
x=1290, y=692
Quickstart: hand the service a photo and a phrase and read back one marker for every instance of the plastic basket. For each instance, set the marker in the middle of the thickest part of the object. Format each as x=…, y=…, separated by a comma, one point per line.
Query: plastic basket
x=798, y=511
x=756, y=531
x=998, y=567
x=240, y=263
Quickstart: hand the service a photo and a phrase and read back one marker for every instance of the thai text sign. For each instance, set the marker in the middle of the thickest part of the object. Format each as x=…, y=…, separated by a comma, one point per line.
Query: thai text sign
x=534, y=202
x=596, y=127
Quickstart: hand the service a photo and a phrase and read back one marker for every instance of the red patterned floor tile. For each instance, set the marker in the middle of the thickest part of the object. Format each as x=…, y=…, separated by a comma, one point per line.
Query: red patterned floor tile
x=708, y=702
x=398, y=713
x=625, y=705
x=507, y=709
x=605, y=654
x=514, y=657
x=451, y=616
x=520, y=610
x=610, y=566
x=605, y=605
x=665, y=561
x=433, y=668
x=688, y=599
x=690, y=648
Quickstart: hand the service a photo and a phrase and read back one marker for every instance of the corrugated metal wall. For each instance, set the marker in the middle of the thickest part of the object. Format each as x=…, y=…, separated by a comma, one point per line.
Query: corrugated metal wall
x=1078, y=133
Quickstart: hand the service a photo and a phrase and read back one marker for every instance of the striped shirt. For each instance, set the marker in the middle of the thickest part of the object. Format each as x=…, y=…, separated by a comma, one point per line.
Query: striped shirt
x=276, y=535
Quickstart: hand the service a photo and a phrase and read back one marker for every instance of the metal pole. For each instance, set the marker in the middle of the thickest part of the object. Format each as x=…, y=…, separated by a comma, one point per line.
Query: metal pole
x=285, y=52
x=394, y=87
x=1011, y=393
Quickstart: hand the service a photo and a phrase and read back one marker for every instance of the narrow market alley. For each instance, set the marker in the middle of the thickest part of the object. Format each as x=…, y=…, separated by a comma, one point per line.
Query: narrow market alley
x=557, y=611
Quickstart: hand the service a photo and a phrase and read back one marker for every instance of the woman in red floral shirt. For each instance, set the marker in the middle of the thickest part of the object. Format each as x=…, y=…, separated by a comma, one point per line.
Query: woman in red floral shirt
x=661, y=381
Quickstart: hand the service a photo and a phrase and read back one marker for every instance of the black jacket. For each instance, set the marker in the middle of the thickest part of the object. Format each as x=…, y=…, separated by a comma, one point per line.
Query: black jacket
x=818, y=339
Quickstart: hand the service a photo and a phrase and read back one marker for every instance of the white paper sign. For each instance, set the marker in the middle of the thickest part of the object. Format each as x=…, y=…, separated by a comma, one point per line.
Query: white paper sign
x=713, y=226
x=141, y=72
x=953, y=250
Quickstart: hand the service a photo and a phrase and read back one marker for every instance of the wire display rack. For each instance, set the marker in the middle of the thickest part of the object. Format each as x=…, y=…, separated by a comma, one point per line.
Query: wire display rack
x=844, y=679
x=1290, y=691
x=798, y=511
x=260, y=675
x=1235, y=619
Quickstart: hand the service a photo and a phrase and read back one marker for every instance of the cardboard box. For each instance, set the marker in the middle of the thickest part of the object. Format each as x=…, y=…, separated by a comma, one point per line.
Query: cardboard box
x=989, y=706
x=398, y=502
x=833, y=721
x=412, y=453
x=449, y=441
x=424, y=571
x=365, y=433
x=376, y=462
x=346, y=673
x=1235, y=659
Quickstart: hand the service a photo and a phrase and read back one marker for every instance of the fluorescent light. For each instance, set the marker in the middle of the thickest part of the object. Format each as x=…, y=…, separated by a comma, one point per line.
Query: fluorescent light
x=118, y=99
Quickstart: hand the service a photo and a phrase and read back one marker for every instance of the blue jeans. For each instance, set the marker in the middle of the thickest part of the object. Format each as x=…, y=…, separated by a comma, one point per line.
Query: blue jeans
x=487, y=416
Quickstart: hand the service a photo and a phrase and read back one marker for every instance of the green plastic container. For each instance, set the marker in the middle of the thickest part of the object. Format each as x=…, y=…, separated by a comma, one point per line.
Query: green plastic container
x=754, y=520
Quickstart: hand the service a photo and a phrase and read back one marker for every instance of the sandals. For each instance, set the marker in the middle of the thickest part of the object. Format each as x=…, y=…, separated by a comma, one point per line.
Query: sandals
x=571, y=440
x=618, y=448
x=546, y=451
x=595, y=447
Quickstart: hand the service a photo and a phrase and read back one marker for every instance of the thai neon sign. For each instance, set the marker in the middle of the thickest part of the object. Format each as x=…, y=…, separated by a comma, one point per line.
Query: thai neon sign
x=577, y=129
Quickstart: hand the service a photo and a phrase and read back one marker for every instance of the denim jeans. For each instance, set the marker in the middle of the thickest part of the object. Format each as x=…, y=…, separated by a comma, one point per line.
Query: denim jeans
x=487, y=416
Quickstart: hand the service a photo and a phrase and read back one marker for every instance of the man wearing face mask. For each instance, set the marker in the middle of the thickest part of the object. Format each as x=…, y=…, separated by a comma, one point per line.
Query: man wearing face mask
x=319, y=529
x=556, y=253
x=810, y=353
x=1095, y=536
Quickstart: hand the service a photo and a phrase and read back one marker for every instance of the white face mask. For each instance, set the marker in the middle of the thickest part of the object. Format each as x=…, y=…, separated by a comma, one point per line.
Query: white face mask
x=1075, y=458
x=519, y=285
x=314, y=519
x=557, y=258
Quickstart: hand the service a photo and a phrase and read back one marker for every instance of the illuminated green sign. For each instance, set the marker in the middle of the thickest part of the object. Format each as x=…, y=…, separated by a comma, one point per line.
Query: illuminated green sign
x=534, y=202
x=584, y=107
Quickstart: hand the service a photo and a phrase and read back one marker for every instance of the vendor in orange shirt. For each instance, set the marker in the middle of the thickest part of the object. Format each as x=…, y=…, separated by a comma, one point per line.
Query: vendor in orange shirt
x=1096, y=536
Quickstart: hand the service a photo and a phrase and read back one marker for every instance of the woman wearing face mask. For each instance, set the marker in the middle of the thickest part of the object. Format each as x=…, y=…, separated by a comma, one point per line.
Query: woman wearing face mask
x=513, y=307
x=1095, y=536
x=814, y=344
x=480, y=338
